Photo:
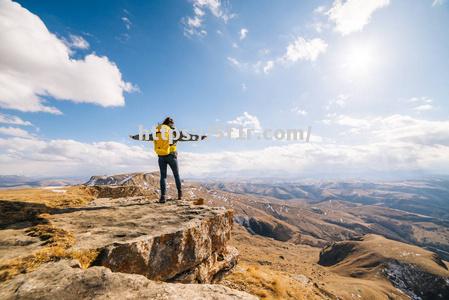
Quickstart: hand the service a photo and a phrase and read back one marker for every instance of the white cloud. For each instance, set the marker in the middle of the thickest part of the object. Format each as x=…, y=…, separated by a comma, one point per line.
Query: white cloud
x=35, y=64
x=38, y=157
x=213, y=5
x=397, y=128
x=246, y=120
x=194, y=22
x=338, y=102
x=244, y=87
x=421, y=103
x=393, y=143
x=194, y=25
x=127, y=22
x=318, y=26
x=423, y=107
x=408, y=129
x=319, y=158
x=14, y=131
x=242, y=125
x=264, y=51
x=438, y=2
x=299, y=111
x=77, y=42
x=302, y=49
x=13, y=120
x=258, y=66
x=243, y=33
x=320, y=9
x=341, y=100
x=268, y=66
x=352, y=15
x=357, y=124
x=234, y=62
x=423, y=99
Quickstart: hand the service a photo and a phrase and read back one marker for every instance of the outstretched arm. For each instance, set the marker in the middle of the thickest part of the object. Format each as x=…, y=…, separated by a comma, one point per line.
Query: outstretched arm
x=145, y=137
x=187, y=137
x=183, y=137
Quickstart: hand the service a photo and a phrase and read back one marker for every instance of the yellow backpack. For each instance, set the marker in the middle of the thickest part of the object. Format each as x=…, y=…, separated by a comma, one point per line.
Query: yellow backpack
x=162, y=143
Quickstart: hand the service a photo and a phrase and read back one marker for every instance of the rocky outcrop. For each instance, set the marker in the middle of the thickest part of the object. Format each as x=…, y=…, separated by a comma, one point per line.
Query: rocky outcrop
x=116, y=235
x=177, y=241
x=174, y=242
x=111, y=191
x=416, y=282
x=61, y=281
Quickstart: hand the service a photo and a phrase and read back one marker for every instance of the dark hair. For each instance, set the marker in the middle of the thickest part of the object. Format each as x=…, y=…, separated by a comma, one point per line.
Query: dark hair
x=168, y=121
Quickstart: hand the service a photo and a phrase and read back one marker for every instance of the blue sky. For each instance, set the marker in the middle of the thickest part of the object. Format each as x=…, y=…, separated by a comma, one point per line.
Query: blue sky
x=370, y=77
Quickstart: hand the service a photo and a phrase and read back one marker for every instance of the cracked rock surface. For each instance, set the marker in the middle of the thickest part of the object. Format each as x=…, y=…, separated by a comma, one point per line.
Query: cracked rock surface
x=61, y=281
x=175, y=241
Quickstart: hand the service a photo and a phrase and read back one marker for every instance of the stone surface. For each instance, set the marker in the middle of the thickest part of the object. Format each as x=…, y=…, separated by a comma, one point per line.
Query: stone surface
x=119, y=236
x=107, y=191
x=60, y=281
x=176, y=241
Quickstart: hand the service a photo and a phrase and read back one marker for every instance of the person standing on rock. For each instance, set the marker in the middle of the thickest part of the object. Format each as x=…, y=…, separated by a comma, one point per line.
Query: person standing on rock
x=165, y=139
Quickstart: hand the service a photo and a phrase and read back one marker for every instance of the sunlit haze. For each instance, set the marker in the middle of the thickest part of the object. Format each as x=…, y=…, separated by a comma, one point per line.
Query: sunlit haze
x=370, y=78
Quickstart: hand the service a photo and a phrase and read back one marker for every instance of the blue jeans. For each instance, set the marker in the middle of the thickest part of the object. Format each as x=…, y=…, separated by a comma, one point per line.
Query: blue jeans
x=172, y=161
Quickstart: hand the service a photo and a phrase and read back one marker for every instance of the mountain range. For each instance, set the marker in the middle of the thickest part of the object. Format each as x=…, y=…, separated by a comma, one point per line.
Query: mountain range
x=347, y=239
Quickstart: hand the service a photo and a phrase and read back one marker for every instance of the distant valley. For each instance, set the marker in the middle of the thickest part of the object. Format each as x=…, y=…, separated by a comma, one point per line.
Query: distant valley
x=416, y=211
x=16, y=181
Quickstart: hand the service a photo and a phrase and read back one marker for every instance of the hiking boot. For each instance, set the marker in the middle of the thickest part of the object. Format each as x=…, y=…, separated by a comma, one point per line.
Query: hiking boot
x=179, y=195
x=162, y=199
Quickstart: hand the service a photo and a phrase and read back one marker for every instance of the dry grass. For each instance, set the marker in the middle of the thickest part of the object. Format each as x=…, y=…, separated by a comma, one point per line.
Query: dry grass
x=269, y=284
x=52, y=236
x=271, y=269
x=199, y=201
x=84, y=256
x=33, y=205
x=74, y=196
x=13, y=267
x=57, y=243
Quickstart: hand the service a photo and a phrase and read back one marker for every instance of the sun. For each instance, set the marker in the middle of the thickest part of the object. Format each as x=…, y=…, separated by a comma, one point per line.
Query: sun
x=359, y=59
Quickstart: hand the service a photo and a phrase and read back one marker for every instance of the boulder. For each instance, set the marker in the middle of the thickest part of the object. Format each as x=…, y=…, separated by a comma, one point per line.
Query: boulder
x=176, y=241
x=61, y=281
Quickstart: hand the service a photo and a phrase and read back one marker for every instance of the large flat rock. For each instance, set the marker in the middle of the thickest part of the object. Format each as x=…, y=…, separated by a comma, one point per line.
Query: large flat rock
x=175, y=241
x=60, y=281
